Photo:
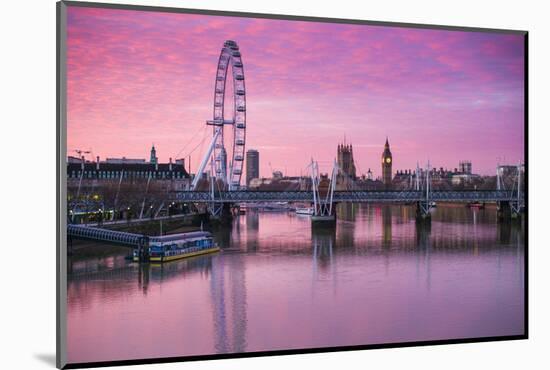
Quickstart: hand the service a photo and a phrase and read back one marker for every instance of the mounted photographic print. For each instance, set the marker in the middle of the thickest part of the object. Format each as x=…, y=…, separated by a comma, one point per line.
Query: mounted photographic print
x=235, y=184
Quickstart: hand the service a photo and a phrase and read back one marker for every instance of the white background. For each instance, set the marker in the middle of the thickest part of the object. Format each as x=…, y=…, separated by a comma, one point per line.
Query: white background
x=27, y=124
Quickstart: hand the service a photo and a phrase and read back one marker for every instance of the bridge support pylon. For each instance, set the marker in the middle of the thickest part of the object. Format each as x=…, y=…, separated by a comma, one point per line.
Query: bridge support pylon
x=423, y=214
x=508, y=211
x=424, y=206
x=504, y=212
x=324, y=220
x=222, y=215
x=324, y=210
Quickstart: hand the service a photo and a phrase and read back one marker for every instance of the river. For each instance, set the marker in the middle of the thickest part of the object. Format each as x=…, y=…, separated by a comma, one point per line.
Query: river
x=375, y=278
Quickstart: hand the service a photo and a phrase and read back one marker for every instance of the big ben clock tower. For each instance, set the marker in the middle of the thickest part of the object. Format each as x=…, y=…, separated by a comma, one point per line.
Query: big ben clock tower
x=386, y=165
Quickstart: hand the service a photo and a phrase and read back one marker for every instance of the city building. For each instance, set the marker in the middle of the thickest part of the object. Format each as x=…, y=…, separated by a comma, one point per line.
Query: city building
x=464, y=176
x=465, y=167
x=252, y=165
x=72, y=159
x=124, y=160
x=170, y=176
x=387, y=165
x=346, y=176
x=346, y=164
x=370, y=176
x=403, y=179
x=153, y=159
x=464, y=179
x=281, y=183
x=277, y=175
x=441, y=179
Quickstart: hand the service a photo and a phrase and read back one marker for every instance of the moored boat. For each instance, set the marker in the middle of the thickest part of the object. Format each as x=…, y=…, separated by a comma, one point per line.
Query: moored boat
x=476, y=205
x=304, y=211
x=176, y=246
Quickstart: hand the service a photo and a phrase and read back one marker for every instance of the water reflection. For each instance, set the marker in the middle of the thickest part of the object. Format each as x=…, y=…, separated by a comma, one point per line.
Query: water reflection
x=386, y=226
x=252, y=229
x=219, y=315
x=323, y=241
x=144, y=277
x=376, y=277
x=228, y=297
x=347, y=211
x=423, y=232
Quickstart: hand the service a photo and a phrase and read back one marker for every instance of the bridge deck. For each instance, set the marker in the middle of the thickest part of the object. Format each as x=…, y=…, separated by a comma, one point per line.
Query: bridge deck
x=347, y=196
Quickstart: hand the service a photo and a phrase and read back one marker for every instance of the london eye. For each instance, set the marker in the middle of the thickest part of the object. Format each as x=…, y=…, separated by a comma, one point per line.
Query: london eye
x=227, y=167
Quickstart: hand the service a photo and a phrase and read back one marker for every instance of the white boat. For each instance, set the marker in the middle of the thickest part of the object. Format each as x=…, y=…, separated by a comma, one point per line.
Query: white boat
x=304, y=211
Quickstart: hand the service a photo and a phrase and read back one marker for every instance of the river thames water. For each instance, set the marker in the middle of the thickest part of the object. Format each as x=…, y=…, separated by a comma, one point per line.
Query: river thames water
x=279, y=284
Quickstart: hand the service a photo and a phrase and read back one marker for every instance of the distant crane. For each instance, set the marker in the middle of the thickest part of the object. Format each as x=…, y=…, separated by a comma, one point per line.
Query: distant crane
x=80, y=154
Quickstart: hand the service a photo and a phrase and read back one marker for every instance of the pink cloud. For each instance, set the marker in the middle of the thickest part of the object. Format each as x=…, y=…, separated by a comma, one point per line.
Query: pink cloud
x=140, y=77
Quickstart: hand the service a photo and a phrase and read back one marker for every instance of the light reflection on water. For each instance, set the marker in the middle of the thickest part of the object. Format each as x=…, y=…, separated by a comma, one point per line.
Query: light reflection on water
x=279, y=283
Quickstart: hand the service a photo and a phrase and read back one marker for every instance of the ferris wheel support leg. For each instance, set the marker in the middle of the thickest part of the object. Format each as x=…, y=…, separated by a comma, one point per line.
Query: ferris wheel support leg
x=205, y=160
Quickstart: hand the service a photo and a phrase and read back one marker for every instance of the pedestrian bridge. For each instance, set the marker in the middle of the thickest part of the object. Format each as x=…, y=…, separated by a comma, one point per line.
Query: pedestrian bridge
x=247, y=196
x=112, y=236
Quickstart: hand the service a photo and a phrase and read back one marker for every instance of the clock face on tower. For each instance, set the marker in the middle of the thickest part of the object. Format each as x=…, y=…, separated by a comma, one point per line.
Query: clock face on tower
x=388, y=160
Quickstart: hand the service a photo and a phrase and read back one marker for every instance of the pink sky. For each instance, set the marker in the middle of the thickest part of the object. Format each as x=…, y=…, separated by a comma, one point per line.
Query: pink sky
x=137, y=78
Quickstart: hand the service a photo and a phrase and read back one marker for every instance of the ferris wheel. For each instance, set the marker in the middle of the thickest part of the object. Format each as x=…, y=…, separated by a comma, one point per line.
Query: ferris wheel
x=227, y=167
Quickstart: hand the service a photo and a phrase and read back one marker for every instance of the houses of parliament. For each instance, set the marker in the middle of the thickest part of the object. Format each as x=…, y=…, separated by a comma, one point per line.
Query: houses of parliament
x=347, y=173
x=441, y=178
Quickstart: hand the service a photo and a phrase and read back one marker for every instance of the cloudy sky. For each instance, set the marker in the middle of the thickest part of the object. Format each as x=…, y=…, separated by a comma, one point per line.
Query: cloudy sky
x=137, y=78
